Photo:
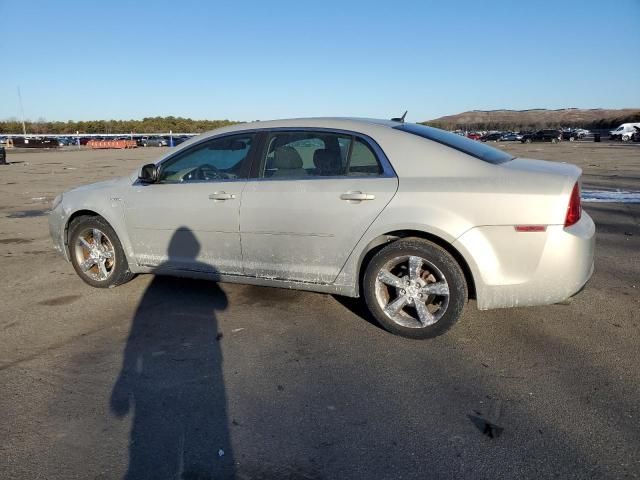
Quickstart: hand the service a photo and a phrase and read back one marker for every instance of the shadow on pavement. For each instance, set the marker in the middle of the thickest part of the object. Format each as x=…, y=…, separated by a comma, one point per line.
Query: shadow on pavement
x=171, y=379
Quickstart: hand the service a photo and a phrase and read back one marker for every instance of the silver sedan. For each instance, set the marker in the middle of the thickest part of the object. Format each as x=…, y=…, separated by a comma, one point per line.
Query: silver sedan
x=414, y=219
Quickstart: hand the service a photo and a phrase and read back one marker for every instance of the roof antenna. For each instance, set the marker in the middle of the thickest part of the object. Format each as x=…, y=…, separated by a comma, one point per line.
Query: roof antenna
x=400, y=119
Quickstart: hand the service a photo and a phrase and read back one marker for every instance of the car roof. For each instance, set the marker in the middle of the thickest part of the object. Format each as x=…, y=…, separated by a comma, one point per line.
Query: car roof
x=362, y=125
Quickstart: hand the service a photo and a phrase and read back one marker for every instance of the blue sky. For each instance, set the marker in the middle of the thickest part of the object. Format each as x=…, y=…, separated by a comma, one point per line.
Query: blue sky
x=275, y=59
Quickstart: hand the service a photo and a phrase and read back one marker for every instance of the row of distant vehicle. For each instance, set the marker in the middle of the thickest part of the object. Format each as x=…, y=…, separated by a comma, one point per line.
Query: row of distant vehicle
x=65, y=141
x=141, y=141
x=544, y=135
x=625, y=132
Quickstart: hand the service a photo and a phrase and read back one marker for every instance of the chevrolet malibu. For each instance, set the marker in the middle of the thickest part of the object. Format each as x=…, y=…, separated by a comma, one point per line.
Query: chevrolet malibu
x=414, y=219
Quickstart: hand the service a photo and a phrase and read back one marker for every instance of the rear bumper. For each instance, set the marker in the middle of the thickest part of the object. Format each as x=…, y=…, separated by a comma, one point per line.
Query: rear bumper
x=532, y=268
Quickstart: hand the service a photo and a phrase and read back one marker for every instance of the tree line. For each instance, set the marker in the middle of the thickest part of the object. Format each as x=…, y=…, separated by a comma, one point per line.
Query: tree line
x=188, y=125
x=146, y=125
x=513, y=125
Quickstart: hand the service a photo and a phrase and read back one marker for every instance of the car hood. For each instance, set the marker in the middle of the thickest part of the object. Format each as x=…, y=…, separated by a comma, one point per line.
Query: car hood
x=101, y=185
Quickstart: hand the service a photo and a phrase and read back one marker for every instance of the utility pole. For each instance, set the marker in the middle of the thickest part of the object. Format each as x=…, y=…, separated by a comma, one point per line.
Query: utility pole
x=24, y=128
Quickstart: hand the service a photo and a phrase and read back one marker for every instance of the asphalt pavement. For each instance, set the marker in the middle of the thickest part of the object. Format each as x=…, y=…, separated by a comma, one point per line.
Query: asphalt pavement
x=175, y=378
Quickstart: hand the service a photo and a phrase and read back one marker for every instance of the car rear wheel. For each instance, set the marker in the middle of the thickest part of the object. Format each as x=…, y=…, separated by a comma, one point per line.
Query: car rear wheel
x=415, y=289
x=97, y=254
x=528, y=140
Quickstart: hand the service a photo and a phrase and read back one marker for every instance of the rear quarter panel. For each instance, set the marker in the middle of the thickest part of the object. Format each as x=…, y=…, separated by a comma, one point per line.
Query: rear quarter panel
x=446, y=193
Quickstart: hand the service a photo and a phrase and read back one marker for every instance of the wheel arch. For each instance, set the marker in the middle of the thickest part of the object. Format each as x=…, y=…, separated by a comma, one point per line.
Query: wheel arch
x=381, y=241
x=113, y=223
x=75, y=215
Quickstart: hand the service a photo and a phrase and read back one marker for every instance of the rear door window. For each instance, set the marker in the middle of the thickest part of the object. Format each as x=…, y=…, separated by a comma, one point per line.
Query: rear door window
x=362, y=160
x=308, y=154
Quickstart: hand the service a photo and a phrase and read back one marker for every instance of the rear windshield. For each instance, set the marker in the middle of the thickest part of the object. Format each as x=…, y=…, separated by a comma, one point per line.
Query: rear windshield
x=474, y=148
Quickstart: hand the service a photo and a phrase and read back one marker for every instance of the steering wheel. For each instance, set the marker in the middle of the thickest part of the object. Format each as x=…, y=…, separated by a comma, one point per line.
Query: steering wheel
x=206, y=172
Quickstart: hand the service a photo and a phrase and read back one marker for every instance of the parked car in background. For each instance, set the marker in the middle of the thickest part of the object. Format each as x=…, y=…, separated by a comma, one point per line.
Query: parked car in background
x=545, y=135
x=569, y=135
x=414, y=218
x=474, y=136
x=177, y=139
x=491, y=137
x=35, y=142
x=623, y=132
x=510, y=137
x=155, y=141
x=636, y=134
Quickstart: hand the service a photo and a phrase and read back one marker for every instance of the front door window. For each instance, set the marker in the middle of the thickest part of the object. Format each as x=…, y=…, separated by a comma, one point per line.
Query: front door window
x=213, y=161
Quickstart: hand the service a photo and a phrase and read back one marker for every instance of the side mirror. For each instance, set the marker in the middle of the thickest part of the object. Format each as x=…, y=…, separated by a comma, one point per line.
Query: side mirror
x=148, y=173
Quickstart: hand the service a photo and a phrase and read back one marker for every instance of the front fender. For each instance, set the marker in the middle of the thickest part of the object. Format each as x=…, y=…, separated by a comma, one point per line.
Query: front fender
x=109, y=207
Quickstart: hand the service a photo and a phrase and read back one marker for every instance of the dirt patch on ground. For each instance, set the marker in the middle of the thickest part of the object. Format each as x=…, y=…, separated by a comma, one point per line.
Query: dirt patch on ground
x=14, y=241
x=28, y=213
x=64, y=300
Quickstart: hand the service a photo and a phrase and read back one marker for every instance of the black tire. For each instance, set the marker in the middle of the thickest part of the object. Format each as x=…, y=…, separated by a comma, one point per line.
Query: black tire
x=120, y=272
x=438, y=257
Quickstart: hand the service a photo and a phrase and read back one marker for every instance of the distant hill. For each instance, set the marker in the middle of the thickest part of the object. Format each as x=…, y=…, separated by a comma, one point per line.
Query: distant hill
x=596, y=118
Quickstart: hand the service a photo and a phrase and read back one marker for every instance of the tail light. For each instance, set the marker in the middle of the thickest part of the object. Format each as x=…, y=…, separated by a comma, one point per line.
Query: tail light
x=574, y=212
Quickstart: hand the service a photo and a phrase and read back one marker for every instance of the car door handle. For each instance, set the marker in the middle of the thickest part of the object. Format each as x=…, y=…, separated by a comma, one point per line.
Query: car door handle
x=221, y=196
x=357, y=196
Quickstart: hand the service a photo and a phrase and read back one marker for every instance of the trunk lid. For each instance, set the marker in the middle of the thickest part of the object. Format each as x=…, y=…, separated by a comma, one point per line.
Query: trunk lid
x=544, y=166
x=549, y=183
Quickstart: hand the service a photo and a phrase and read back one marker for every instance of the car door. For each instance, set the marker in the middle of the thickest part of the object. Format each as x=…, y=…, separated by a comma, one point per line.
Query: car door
x=316, y=194
x=189, y=218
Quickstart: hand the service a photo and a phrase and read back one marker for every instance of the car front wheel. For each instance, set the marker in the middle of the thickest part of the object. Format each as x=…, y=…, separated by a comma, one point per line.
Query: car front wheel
x=415, y=288
x=96, y=253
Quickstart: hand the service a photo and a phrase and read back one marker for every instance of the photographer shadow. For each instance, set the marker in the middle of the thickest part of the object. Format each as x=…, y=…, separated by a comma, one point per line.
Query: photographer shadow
x=172, y=380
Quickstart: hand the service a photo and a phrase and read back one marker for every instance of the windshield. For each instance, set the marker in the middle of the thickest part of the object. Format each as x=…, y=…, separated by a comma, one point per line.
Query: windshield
x=466, y=145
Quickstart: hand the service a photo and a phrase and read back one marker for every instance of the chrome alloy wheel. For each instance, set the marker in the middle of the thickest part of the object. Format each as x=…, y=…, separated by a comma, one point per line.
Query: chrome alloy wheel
x=412, y=292
x=95, y=254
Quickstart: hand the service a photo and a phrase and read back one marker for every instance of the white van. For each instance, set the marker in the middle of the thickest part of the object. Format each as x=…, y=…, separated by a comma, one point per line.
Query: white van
x=624, y=131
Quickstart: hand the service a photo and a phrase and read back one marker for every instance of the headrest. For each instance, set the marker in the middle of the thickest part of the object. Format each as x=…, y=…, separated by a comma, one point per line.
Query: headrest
x=327, y=161
x=287, y=158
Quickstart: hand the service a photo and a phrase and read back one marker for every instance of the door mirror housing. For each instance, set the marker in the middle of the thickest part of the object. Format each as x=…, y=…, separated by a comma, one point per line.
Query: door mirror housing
x=148, y=173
